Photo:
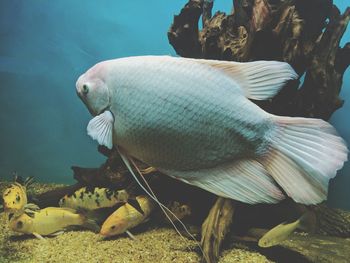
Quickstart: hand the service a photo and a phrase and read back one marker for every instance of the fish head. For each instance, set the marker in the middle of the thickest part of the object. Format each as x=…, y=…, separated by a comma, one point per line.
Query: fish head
x=265, y=242
x=22, y=223
x=14, y=198
x=114, y=225
x=92, y=90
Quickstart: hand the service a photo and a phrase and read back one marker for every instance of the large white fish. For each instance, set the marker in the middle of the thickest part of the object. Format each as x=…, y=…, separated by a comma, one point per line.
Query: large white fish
x=193, y=120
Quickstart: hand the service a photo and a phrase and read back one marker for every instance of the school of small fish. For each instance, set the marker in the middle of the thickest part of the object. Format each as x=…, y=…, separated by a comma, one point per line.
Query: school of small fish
x=83, y=208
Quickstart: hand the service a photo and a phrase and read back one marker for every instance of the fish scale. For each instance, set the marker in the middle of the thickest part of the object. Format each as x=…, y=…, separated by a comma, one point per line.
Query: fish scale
x=177, y=125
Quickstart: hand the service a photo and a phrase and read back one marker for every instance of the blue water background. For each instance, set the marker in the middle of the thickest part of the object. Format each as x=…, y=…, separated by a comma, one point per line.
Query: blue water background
x=44, y=47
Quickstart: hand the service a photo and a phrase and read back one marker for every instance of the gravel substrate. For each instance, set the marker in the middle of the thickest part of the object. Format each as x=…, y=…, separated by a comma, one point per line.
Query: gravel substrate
x=152, y=245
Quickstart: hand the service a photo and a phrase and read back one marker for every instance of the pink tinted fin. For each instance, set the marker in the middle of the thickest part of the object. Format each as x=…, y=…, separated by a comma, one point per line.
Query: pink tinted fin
x=304, y=155
x=259, y=80
x=242, y=180
x=100, y=128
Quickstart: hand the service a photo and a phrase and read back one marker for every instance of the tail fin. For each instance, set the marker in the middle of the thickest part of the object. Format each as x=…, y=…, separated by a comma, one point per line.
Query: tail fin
x=305, y=154
x=89, y=220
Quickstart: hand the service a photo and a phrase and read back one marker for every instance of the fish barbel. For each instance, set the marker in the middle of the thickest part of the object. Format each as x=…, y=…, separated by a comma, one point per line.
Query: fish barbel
x=192, y=119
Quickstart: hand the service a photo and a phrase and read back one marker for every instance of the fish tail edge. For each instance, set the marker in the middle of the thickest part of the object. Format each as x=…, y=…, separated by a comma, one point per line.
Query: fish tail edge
x=304, y=155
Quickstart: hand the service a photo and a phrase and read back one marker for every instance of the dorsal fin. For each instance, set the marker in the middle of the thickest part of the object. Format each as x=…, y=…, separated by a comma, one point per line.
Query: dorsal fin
x=259, y=80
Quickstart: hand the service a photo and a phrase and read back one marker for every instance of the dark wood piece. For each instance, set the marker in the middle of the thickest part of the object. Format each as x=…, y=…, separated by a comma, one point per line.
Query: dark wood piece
x=215, y=227
x=111, y=174
x=333, y=222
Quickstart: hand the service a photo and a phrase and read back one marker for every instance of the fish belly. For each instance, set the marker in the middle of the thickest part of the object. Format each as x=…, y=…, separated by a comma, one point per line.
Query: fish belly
x=51, y=222
x=176, y=116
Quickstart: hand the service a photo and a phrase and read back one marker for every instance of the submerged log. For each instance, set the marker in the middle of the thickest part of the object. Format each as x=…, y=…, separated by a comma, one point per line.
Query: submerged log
x=215, y=228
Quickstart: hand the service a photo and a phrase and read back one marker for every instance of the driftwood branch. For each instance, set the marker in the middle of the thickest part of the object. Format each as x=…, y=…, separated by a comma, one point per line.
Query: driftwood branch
x=185, y=33
x=207, y=7
x=213, y=237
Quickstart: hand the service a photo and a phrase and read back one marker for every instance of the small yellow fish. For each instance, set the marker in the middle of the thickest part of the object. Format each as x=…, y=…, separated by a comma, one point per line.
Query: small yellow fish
x=126, y=217
x=49, y=221
x=281, y=232
x=94, y=198
x=15, y=196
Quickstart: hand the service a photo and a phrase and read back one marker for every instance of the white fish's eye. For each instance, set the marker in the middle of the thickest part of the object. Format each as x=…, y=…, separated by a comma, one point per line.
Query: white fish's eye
x=19, y=225
x=85, y=89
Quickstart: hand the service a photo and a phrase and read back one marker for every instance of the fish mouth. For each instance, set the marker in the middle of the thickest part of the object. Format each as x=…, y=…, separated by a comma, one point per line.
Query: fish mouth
x=104, y=234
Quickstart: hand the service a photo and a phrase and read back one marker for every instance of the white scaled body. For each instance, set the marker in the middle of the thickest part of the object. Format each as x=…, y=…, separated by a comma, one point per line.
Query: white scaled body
x=193, y=120
x=174, y=117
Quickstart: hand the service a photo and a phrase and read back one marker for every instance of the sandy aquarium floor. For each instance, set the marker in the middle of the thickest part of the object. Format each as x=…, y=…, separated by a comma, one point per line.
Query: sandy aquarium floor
x=153, y=244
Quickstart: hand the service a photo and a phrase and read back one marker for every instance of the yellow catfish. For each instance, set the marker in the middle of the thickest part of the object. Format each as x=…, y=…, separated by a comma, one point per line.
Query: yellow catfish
x=50, y=221
x=126, y=217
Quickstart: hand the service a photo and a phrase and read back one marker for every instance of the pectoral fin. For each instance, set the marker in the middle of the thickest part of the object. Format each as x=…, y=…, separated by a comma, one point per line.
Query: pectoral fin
x=32, y=207
x=136, y=205
x=100, y=129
